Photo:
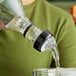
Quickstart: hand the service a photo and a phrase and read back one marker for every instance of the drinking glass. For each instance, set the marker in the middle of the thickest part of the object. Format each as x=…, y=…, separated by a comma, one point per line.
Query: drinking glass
x=53, y=72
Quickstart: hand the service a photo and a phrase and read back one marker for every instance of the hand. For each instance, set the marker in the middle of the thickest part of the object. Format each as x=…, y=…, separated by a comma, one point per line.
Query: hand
x=2, y=27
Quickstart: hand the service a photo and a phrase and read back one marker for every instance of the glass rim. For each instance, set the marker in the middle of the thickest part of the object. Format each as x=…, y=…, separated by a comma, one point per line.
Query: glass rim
x=53, y=69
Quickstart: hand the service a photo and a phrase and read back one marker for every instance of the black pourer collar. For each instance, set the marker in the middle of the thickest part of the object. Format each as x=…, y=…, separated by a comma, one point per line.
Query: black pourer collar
x=41, y=39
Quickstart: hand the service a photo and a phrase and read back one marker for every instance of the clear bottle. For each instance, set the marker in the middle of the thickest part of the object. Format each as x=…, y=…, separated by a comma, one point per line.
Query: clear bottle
x=42, y=40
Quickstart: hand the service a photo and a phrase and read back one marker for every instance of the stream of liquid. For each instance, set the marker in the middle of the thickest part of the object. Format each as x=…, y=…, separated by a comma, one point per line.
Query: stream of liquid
x=55, y=54
x=51, y=45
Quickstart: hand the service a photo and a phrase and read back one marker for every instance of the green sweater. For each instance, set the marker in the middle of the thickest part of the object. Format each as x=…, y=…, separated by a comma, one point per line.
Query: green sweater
x=17, y=55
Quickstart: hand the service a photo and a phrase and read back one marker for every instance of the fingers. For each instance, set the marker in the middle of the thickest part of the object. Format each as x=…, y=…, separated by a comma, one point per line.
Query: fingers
x=2, y=27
